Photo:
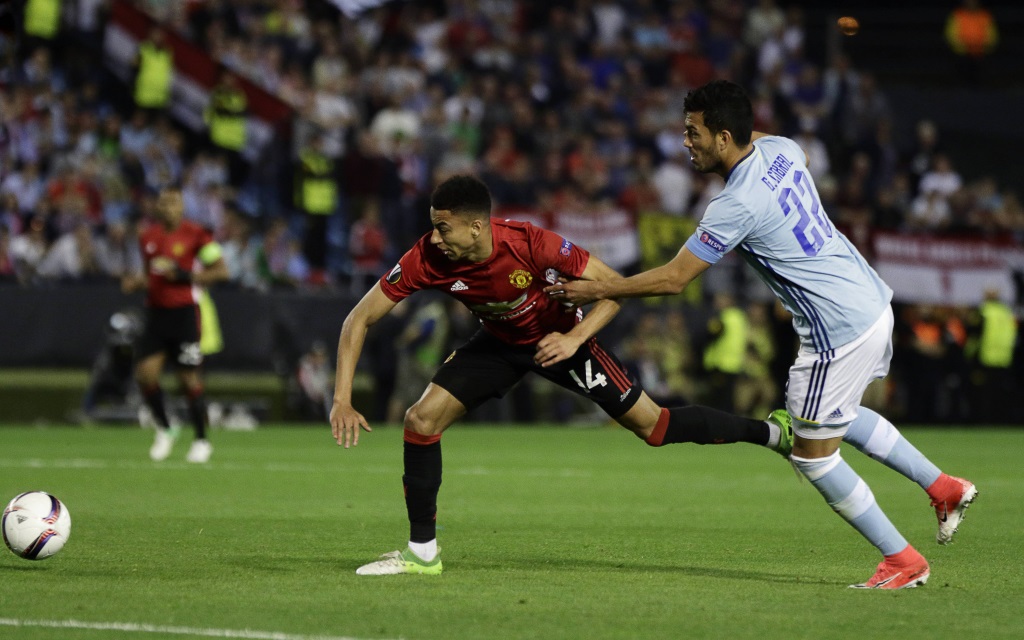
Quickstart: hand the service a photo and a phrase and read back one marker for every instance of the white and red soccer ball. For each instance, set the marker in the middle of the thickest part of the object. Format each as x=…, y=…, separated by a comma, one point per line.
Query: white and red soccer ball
x=36, y=525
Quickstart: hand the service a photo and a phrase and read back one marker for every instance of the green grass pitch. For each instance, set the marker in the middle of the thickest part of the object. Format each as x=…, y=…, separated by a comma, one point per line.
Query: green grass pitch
x=547, y=532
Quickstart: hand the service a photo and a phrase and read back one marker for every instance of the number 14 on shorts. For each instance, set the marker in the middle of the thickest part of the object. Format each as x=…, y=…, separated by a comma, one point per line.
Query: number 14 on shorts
x=592, y=381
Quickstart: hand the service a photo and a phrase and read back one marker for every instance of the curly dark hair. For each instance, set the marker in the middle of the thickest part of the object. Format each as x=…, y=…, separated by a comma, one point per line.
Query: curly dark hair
x=462, y=195
x=725, y=106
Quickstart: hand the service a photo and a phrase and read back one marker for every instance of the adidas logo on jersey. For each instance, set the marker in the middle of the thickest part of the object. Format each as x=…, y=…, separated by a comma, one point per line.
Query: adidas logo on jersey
x=459, y=286
x=835, y=414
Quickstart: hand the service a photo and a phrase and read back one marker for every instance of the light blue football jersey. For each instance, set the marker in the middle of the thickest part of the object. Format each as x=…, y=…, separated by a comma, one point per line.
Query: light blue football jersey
x=770, y=213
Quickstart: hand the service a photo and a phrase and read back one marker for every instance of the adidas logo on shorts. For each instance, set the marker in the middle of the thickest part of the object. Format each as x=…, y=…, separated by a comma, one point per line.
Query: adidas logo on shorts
x=459, y=286
x=835, y=414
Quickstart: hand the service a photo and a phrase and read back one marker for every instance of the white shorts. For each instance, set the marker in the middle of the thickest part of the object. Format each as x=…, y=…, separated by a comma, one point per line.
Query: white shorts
x=825, y=389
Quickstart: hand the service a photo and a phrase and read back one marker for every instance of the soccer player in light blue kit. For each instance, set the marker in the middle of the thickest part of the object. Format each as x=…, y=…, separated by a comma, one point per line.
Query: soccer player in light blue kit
x=769, y=212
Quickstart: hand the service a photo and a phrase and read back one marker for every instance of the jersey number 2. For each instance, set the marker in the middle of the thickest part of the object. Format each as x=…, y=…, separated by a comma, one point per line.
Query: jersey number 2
x=810, y=227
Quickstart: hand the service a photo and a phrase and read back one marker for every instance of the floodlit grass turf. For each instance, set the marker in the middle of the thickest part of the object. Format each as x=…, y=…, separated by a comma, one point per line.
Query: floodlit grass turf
x=547, y=533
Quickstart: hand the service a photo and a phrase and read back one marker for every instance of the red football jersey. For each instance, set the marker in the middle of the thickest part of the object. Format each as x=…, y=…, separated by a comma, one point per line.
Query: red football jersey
x=506, y=291
x=180, y=246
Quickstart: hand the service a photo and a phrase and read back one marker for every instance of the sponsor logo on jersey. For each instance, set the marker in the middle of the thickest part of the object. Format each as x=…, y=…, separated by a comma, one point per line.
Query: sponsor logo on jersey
x=566, y=248
x=459, y=286
x=395, y=275
x=502, y=310
x=710, y=240
x=520, y=279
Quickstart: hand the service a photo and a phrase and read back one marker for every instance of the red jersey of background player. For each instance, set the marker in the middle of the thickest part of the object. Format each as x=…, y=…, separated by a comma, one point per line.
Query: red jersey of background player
x=161, y=250
x=506, y=291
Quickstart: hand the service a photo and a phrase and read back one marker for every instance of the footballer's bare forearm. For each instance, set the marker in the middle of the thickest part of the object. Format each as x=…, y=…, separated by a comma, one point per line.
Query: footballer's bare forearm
x=660, y=281
x=597, y=318
x=214, y=273
x=350, y=345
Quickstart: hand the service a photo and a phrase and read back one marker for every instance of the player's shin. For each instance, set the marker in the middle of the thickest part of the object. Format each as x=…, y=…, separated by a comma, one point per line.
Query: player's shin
x=422, y=480
x=875, y=436
x=153, y=395
x=197, y=410
x=704, y=425
x=851, y=498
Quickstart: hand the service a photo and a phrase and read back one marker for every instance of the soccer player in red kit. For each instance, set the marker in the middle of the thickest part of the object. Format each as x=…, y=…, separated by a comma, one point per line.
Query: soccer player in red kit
x=499, y=269
x=179, y=258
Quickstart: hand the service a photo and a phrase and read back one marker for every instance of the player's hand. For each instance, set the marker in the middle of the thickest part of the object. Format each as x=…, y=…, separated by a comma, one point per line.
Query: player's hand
x=576, y=292
x=131, y=283
x=345, y=424
x=554, y=348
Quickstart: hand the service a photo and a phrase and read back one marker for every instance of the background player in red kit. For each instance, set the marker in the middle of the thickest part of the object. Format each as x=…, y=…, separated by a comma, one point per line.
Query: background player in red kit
x=499, y=269
x=179, y=258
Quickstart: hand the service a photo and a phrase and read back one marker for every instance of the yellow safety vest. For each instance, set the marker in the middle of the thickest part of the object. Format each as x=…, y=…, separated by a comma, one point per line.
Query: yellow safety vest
x=728, y=352
x=156, y=69
x=998, y=335
x=42, y=18
x=319, y=195
x=226, y=116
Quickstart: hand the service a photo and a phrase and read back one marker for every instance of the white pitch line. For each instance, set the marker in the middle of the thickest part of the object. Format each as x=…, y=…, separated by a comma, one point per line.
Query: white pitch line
x=132, y=627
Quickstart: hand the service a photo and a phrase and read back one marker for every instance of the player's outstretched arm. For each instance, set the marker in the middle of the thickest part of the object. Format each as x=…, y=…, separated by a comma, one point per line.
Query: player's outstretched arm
x=217, y=271
x=345, y=420
x=668, y=279
x=555, y=346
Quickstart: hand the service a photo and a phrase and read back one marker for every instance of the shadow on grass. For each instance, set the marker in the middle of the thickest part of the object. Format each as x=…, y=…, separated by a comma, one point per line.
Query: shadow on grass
x=575, y=565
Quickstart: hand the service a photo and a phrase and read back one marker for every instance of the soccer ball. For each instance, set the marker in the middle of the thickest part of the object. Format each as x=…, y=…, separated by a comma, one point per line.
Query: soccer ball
x=36, y=525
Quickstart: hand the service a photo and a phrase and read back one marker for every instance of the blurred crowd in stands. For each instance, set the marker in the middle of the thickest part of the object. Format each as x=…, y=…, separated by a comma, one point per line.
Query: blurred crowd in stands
x=558, y=106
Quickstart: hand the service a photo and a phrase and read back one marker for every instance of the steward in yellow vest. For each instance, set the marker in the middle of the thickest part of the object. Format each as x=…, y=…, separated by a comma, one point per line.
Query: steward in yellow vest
x=226, y=114
x=42, y=18
x=725, y=356
x=155, y=72
x=316, y=195
x=993, y=330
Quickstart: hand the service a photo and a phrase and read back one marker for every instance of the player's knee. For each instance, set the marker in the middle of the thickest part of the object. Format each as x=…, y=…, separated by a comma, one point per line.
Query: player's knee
x=418, y=421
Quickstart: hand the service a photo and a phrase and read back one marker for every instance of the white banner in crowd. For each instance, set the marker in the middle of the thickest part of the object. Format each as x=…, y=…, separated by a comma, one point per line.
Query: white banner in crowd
x=609, y=234
x=944, y=271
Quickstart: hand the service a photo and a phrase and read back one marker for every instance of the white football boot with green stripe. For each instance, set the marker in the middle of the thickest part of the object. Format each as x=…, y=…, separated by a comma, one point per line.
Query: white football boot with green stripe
x=395, y=562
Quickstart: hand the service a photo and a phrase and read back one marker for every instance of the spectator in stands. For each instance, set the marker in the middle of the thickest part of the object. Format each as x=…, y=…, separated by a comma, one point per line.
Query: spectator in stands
x=243, y=251
x=71, y=257
x=116, y=250
x=283, y=262
x=762, y=22
x=674, y=182
x=863, y=110
x=7, y=270
x=27, y=249
x=26, y=185
x=368, y=246
x=10, y=214
x=942, y=178
x=972, y=35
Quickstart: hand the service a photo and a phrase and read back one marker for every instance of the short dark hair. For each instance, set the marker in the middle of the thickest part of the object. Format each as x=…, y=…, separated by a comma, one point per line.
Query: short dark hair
x=725, y=106
x=462, y=195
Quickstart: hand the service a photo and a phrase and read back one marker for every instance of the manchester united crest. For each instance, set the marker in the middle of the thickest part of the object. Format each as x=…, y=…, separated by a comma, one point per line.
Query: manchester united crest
x=520, y=279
